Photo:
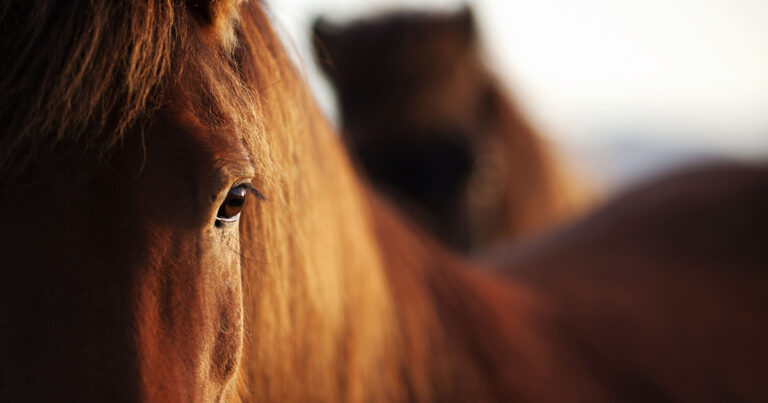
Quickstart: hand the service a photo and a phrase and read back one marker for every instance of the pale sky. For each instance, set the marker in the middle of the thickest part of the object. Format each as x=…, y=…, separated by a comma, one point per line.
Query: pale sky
x=688, y=74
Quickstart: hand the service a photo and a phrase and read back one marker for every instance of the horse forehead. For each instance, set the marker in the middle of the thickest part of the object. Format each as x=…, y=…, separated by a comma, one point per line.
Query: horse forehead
x=220, y=146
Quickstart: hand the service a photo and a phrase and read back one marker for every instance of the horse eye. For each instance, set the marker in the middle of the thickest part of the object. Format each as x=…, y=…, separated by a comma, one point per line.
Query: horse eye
x=232, y=206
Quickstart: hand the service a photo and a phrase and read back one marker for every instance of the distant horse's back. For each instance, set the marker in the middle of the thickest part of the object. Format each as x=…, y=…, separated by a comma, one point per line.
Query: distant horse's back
x=663, y=294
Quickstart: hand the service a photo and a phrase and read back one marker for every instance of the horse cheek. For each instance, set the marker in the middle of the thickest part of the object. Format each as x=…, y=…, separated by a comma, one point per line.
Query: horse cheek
x=224, y=284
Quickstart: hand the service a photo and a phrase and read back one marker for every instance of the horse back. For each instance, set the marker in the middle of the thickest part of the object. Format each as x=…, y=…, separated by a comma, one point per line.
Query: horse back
x=663, y=293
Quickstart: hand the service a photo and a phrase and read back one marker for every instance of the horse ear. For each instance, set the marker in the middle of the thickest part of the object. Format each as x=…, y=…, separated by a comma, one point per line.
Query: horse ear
x=221, y=15
x=465, y=21
x=323, y=33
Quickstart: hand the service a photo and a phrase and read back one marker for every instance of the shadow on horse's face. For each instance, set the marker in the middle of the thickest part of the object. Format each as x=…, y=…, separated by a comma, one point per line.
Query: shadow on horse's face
x=127, y=273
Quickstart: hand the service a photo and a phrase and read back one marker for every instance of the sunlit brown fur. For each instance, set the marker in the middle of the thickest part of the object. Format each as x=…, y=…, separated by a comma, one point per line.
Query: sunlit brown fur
x=659, y=296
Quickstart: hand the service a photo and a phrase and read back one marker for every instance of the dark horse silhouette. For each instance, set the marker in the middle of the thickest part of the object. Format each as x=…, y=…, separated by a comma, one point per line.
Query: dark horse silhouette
x=181, y=224
x=434, y=130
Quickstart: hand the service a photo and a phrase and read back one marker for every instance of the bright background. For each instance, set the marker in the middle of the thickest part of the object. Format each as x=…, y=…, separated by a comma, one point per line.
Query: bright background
x=626, y=88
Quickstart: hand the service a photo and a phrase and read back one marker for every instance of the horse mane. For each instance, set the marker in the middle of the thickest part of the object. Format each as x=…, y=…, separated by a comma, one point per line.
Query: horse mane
x=318, y=311
x=100, y=67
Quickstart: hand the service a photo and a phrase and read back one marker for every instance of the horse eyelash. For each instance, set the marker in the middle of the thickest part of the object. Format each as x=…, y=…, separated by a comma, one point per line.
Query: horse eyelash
x=252, y=190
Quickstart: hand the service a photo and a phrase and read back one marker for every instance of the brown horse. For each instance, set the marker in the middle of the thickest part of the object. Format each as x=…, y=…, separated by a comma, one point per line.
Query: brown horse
x=435, y=131
x=139, y=263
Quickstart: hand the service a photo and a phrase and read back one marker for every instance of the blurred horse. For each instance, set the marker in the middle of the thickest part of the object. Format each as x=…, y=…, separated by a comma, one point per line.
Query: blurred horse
x=181, y=224
x=434, y=130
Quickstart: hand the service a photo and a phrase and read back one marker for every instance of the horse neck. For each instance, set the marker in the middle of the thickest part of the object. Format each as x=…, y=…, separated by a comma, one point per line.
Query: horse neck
x=463, y=333
x=346, y=302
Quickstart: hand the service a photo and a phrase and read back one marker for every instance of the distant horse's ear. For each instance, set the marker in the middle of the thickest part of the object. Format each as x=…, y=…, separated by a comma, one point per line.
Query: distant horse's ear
x=221, y=16
x=465, y=21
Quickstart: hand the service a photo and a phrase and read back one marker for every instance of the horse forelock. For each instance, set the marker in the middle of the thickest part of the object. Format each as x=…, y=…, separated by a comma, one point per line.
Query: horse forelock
x=86, y=73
